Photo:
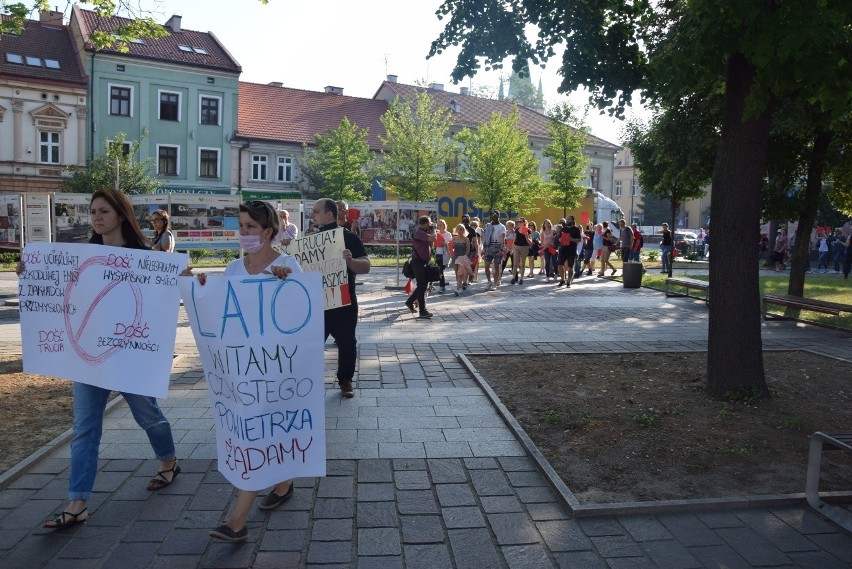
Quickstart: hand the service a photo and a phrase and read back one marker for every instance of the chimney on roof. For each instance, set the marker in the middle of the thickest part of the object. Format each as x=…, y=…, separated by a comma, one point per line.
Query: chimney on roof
x=275, y=84
x=334, y=90
x=455, y=107
x=437, y=86
x=50, y=18
x=392, y=78
x=464, y=91
x=174, y=23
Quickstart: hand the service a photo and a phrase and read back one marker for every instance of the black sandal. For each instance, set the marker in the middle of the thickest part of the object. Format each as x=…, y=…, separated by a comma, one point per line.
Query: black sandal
x=225, y=533
x=160, y=481
x=59, y=521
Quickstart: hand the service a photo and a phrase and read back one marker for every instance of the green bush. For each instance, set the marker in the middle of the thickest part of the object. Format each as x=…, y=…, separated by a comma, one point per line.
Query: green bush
x=9, y=257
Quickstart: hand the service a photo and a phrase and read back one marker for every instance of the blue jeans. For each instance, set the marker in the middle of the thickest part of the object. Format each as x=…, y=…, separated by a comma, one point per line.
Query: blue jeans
x=665, y=251
x=89, y=404
x=550, y=261
x=823, y=260
x=634, y=256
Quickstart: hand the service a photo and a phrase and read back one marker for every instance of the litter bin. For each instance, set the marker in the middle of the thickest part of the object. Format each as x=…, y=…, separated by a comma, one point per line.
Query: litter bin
x=632, y=274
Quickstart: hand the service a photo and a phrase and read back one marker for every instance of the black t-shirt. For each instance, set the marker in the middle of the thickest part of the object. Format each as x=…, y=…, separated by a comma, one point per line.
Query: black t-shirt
x=667, y=238
x=589, y=243
x=521, y=239
x=574, y=232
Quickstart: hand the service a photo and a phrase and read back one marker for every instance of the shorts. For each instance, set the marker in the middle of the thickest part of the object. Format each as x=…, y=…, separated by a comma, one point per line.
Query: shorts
x=493, y=253
x=567, y=255
x=587, y=255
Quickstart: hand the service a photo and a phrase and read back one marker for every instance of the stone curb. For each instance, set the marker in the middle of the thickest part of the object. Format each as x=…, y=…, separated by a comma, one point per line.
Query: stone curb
x=649, y=507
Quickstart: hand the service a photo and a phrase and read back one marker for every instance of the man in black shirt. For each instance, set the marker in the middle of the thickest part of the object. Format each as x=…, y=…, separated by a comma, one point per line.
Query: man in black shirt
x=568, y=240
x=340, y=322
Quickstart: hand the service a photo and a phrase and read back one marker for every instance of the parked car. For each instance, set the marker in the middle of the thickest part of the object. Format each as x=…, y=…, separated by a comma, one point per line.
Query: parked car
x=686, y=241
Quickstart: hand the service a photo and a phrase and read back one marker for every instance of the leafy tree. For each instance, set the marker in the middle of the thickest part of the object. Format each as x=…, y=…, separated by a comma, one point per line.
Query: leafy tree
x=140, y=26
x=569, y=163
x=669, y=50
x=134, y=177
x=415, y=147
x=674, y=153
x=338, y=164
x=840, y=169
x=502, y=168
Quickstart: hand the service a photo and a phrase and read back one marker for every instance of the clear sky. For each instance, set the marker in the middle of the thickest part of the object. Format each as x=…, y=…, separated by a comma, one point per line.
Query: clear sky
x=308, y=44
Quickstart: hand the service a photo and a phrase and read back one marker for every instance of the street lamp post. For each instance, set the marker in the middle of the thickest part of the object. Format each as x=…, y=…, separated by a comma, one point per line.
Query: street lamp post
x=632, y=193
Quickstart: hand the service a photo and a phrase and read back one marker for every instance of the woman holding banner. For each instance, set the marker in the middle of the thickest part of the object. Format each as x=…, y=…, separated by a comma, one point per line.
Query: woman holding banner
x=114, y=223
x=259, y=224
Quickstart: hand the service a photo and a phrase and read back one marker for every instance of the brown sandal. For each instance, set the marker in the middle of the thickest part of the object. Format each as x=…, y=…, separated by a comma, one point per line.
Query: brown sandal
x=160, y=481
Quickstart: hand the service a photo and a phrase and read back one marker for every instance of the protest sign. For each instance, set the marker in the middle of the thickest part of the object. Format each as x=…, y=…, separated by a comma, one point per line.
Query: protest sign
x=323, y=253
x=100, y=315
x=261, y=342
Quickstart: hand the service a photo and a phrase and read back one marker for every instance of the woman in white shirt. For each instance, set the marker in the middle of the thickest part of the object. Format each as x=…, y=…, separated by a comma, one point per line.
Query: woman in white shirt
x=259, y=225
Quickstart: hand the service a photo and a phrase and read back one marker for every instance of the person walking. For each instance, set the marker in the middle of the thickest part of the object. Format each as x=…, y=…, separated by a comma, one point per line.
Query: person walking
x=779, y=250
x=666, y=248
x=597, y=244
x=588, y=249
x=568, y=241
x=609, y=243
x=510, y=244
x=259, y=226
x=494, y=242
x=637, y=244
x=625, y=238
x=113, y=224
x=837, y=249
x=461, y=258
x=535, y=246
x=424, y=236
x=822, y=248
x=340, y=322
x=442, y=251
x=548, y=246
x=520, y=251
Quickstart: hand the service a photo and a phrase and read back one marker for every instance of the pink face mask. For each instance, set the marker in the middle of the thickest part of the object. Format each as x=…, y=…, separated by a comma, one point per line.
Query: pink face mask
x=250, y=243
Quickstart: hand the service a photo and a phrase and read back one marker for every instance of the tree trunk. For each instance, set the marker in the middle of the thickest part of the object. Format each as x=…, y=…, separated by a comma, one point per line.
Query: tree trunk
x=813, y=188
x=734, y=346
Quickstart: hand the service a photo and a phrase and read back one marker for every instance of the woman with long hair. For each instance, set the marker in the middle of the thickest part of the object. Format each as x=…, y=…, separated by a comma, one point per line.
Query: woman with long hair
x=461, y=258
x=609, y=244
x=548, y=244
x=259, y=224
x=535, y=246
x=163, y=240
x=442, y=250
x=114, y=224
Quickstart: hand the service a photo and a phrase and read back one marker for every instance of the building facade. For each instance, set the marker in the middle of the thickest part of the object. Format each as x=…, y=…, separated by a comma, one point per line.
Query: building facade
x=43, y=106
x=177, y=95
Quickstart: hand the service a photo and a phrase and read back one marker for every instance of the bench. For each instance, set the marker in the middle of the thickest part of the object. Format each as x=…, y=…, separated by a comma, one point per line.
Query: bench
x=688, y=284
x=828, y=441
x=801, y=303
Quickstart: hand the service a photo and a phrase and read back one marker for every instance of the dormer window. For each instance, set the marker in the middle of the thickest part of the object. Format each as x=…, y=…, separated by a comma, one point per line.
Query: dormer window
x=455, y=107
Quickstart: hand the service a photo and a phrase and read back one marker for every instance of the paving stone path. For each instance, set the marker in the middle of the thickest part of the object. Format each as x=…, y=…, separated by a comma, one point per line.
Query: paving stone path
x=422, y=470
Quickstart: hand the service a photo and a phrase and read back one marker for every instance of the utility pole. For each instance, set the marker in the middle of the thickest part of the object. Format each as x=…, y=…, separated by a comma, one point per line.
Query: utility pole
x=632, y=194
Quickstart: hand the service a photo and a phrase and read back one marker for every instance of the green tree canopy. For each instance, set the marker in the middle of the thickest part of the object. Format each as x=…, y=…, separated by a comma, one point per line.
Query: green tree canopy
x=415, y=147
x=497, y=159
x=668, y=50
x=134, y=177
x=338, y=164
x=569, y=165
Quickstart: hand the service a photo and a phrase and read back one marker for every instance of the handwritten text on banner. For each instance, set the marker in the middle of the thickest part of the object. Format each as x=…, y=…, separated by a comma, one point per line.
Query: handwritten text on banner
x=261, y=342
x=100, y=315
x=323, y=253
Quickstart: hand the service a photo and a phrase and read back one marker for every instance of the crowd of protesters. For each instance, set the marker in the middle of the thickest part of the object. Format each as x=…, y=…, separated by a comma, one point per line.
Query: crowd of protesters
x=560, y=252
x=833, y=250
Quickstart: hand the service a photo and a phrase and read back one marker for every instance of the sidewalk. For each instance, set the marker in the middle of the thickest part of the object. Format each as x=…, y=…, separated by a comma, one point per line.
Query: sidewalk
x=423, y=472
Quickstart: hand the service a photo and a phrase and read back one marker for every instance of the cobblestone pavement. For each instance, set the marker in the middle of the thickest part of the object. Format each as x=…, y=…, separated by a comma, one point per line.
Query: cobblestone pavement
x=422, y=471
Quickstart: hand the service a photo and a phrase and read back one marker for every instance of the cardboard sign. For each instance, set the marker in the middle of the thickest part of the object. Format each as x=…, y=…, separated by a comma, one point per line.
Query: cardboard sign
x=323, y=253
x=261, y=342
x=100, y=315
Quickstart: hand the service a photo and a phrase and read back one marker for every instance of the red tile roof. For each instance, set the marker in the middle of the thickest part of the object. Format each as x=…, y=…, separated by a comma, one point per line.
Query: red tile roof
x=45, y=42
x=474, y=111
x=164, y=48
x=282, y=114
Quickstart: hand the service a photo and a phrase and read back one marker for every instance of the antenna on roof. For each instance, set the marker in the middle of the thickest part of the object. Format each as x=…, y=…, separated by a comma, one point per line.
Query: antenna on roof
x=386, y=65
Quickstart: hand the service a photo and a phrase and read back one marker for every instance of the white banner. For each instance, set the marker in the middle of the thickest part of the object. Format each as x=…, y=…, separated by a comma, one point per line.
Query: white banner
x=323, y=253
x=261, y=341
x=100, y=315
